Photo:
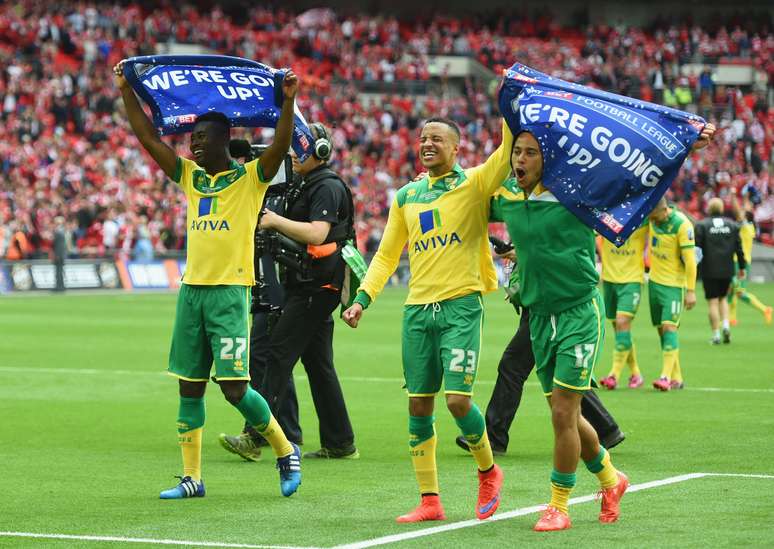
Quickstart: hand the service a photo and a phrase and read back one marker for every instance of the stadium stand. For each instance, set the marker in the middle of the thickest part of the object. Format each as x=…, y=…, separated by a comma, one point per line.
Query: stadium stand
x=64, y=149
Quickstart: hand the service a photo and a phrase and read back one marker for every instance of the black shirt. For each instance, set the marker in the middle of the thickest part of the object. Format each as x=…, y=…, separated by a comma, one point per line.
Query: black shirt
x=321, y=199
x=718, y=238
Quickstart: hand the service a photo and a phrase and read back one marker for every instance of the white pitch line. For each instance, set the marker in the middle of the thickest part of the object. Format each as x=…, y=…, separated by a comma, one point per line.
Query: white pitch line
x=350, y=379
x=376, y=541
x=527, y=511
x=154, y=541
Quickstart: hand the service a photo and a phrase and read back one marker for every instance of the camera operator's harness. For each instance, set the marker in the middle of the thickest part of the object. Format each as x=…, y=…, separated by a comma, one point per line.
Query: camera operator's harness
x=298, y=258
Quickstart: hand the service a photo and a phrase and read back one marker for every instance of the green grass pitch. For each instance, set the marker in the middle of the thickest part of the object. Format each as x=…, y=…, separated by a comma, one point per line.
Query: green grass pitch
x=87, y=439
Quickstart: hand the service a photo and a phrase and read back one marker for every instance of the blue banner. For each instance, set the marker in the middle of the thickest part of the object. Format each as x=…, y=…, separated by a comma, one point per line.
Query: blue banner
x=606, y=158
x=178, y=88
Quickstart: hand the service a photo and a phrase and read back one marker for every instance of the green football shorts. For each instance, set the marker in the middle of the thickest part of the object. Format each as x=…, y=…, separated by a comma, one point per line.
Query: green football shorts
x=666, y=303
x=567, y=345
x=441, y=343
x=211, y=324
x=621, y=299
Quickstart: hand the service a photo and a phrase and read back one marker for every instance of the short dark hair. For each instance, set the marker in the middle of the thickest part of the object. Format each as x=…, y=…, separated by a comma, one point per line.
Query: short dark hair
x=217, y=117
x=448, y=121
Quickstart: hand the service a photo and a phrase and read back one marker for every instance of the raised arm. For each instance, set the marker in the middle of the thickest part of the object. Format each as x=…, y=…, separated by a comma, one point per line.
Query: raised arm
x=164, y=155
x=490, y=175
x=272, y=157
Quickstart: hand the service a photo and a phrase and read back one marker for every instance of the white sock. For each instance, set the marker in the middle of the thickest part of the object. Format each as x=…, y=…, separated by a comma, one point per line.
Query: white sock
x=716, y=334
x=726, y=324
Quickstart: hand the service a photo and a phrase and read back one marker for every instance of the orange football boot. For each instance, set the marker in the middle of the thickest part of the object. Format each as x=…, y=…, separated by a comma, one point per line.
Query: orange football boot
x=552, y=519
x=611, y=498
x=429, y=509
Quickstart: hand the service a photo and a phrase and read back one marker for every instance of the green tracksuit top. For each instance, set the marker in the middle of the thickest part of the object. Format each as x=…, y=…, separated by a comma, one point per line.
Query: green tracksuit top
x=555, y=251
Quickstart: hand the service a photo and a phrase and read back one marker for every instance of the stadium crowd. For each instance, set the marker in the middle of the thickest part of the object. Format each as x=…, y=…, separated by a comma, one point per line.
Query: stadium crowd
x=64, y=149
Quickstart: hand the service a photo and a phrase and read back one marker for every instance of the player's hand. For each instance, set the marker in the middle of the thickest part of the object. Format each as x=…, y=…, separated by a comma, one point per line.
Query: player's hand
x=705, y=137
x=268, y=220
x=290, y=85
x=741, y=274
x=118, y=75
x=352, y=315
x=690, y=299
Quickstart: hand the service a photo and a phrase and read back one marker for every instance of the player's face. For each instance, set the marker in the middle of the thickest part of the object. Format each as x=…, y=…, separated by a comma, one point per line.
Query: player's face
x=438, y=146
x=207, y=143
x=527, y=161
x=659, y=214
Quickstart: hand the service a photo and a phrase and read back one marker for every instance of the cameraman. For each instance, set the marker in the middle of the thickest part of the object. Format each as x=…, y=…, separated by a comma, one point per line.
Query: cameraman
x=268, y=300
x=319, y=215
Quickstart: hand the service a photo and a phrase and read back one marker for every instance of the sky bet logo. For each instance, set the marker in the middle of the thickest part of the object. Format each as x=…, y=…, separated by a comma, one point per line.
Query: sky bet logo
x=430, y=220
x=208, y=205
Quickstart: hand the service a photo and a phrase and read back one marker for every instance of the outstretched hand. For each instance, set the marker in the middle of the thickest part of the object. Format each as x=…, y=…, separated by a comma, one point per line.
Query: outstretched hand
x=290, y=85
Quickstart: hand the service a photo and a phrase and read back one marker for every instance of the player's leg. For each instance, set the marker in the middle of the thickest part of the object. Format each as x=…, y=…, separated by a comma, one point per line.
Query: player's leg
x=612, y=482
x=733, y=300
x=581, y=336
x=544, y=330
x=621, y=349
x=248, y=444
x=666, y=309
x=190, y=360
x=749, y=298
x=423, y=373
x=461, y=324
x=226, y=316
x=565, y=412
x=628, y=305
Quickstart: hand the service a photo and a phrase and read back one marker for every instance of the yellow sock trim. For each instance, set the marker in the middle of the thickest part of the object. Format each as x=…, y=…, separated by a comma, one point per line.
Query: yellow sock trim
x=619, y=359
x=277, y=439
x=560, y=497
x=423, y=460
x=631, y=360
x=608, y=476
x=668, y=361
x=482, y=453
x=677, y=373
x=755, y=302
x=191, y=447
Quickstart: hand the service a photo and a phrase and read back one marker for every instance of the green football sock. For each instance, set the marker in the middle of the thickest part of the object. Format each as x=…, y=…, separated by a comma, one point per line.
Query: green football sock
x=473, y=428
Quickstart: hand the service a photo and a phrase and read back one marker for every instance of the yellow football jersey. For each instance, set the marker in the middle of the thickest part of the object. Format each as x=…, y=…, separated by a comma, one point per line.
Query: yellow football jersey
x=221, y=218
x=627, y=263
x=668, y=240
x=444, y=222
x=747, y=235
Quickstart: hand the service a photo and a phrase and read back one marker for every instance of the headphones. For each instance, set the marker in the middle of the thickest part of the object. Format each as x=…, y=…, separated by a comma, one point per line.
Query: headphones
x=322, y=145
